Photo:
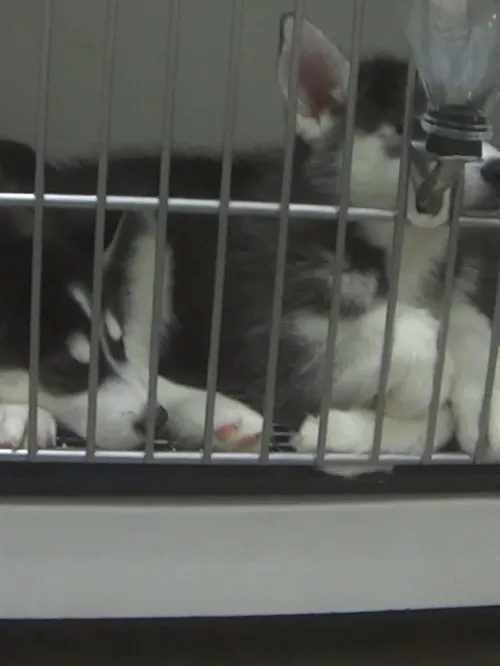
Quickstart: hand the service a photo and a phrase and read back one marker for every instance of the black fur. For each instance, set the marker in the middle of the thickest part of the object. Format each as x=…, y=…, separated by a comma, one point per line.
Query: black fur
x=60, y=316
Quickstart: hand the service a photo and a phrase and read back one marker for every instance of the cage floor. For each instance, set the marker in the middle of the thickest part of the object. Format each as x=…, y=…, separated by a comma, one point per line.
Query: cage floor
x=442, y=638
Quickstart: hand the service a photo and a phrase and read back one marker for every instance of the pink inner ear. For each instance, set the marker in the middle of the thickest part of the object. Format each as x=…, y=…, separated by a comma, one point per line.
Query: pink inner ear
x=318, y=84
x=323, y=71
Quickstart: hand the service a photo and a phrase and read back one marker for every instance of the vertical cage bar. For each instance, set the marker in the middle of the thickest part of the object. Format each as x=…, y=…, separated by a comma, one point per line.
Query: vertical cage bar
x=225, y=195
x=37, y=250
x=286, y=191
x=449, y=283
x=484, y=418
x=395, y=268
x=342, y=219
x=161, y=223
x=100, y=221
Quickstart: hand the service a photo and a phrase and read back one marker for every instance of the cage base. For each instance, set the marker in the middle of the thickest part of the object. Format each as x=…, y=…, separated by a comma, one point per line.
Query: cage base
x=114, y=559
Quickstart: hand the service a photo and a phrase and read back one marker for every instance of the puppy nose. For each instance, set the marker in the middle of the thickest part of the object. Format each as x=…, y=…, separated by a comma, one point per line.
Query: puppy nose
x=160, y=420
x=490, y=171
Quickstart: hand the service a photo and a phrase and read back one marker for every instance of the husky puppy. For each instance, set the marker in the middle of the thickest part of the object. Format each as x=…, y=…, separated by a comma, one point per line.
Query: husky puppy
x=251, y=266
x=376, y=154
x=65, y=309
x=65, y=331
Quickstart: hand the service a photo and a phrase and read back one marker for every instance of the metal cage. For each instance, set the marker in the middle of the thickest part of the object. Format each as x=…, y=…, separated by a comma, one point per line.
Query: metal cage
x=205, y=534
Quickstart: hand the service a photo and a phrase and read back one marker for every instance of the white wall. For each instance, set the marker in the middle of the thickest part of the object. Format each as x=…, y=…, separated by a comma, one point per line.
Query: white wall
x=78, y=40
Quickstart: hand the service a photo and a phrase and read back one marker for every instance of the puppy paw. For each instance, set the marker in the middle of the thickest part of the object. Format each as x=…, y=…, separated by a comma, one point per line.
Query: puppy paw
x=467, y=404
x=411, y=369
x=14, y=428
x=415, y=356
x=236, y=427
x=352, y=432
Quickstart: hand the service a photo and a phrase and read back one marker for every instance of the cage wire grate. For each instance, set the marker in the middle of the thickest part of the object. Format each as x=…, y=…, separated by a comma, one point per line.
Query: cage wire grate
x=276, y=440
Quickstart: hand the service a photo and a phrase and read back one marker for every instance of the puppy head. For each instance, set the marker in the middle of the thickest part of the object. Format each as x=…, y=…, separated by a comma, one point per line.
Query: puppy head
x=66, y=305
x=323, y=82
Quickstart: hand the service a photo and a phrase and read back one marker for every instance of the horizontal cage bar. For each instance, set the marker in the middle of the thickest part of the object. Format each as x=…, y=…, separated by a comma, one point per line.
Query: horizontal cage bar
x=212, y=206
x=190, y=457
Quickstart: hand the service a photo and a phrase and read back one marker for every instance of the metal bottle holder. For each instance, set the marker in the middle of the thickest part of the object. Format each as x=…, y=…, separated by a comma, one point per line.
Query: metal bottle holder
x=453, y=42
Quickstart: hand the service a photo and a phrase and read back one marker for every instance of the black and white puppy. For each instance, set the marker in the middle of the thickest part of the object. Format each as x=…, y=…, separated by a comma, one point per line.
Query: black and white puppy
x=251, y=265
x=65, y=310
x=376, y=155
x=65, y=330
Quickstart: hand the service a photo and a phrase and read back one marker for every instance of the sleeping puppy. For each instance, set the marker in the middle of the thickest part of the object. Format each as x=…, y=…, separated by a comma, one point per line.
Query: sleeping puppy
x=252, y=247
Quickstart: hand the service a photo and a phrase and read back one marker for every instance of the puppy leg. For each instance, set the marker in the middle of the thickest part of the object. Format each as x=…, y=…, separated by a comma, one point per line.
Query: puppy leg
x=469, y=342
x=236, y=427
x=413, y=359
x=352, y=432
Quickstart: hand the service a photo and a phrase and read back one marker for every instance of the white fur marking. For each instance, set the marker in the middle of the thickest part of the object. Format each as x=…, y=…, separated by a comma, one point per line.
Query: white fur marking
x=79, y=347
x=374, y=183
x=81, y=298
x=140, y=305
x=113, y=327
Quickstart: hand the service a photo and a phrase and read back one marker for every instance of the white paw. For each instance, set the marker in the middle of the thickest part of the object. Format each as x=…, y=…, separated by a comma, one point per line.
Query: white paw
x=412, y=364
x=469, y=339
x=410, y=399
x=352, y=432
x=467, y=404
x=14, y=428
x=236, y=427
x=347, y=432
x=415, y=358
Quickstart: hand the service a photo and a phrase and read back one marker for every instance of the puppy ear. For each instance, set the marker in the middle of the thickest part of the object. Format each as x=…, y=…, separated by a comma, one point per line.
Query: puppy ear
x=323, y=75
x=130, y=226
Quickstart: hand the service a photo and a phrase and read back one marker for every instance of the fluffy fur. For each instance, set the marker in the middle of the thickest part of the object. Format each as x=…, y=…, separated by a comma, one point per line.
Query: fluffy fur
x=250, y=273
